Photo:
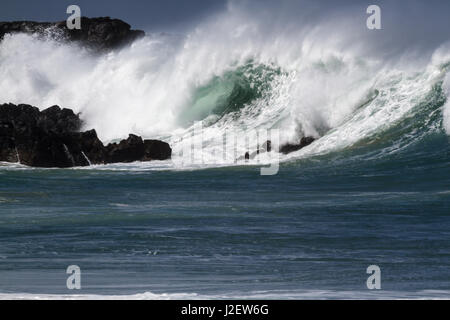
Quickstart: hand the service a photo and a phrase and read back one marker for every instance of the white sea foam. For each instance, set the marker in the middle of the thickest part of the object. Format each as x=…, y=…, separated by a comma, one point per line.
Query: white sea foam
x=446, y=111
x=297, y=295
x=149, y=88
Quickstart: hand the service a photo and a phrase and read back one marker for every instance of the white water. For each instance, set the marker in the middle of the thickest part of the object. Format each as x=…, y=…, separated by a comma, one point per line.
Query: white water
x=149, y=87
x=446, y=113
x=258, y=295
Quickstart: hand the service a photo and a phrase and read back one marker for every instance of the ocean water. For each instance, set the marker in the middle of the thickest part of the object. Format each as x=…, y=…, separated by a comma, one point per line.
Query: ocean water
x=373, y=189
x=308, y=232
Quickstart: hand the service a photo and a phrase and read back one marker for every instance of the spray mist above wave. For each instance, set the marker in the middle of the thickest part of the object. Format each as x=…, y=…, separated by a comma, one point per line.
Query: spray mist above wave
x=234, y=73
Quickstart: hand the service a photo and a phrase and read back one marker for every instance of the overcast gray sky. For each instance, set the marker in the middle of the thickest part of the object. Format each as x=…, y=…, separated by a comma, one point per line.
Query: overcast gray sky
x=141, y=14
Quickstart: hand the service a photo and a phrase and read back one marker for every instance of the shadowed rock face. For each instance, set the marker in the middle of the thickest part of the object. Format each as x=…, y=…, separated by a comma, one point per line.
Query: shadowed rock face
x=125, y=150
x=156, y=150
x=96, y=33
x=51, y=138
x=290, y=147
x=136, y=148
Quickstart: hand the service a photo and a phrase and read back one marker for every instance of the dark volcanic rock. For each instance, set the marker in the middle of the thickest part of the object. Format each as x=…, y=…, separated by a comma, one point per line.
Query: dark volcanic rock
x=44, y=149
x=59, y=120
x=136, y=149
x=7, y=144
x=129, y=150
x=93, y=149
x=40, y=139
x=289, y=147
x=51, y=138
x=97, y=33
x=156, y=150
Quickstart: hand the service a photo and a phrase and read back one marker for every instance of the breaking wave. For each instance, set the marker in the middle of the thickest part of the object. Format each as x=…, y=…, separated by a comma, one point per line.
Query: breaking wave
x=232, y=74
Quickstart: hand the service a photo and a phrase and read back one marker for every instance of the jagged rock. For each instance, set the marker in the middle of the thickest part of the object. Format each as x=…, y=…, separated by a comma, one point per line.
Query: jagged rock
x=44, y=149
x=156, y=150
x=289, y=147
x=59, y=120
x=7, y=143
x=101, y=33
x=136, y=149
x=129, y=150
x=51, y=138
x=93, y=148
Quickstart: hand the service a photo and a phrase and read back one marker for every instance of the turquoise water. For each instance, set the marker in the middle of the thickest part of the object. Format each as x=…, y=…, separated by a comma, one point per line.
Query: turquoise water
x=316, y=225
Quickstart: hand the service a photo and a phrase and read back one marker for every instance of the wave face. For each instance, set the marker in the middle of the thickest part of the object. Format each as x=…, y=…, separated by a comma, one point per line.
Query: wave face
x=233, y=74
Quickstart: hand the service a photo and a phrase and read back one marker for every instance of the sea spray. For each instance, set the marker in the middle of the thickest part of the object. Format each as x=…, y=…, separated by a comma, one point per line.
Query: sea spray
x=307, y=83
x=446, y=108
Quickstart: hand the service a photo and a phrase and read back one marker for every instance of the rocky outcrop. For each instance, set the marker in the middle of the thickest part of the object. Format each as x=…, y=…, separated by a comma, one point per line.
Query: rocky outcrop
x=156, y=150
x=52, y=138
x=97, y=33
x=290, y=147
x=126, y=150
x=135, y=148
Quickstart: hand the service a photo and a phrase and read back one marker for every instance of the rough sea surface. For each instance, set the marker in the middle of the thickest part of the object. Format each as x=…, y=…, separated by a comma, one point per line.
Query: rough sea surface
x=308, y=232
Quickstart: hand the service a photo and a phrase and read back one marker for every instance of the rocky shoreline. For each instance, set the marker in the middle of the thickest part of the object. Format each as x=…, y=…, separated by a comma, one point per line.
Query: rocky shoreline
x=52, y=138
